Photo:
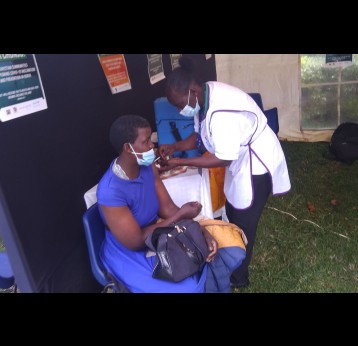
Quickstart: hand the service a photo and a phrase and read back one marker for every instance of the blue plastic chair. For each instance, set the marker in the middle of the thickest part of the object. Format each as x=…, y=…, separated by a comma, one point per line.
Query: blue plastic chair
x=271, y=114
x=257, y=98
x=6, y=275
x=95, y=233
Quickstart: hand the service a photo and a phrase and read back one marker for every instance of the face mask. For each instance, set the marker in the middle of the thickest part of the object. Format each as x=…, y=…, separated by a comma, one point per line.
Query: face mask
x=147, y=157
x=189, y=111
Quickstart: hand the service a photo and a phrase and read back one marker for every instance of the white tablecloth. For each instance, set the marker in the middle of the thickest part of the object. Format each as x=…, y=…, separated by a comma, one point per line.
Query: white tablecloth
x=90, y=196
x=185, y=187
x=191, y=186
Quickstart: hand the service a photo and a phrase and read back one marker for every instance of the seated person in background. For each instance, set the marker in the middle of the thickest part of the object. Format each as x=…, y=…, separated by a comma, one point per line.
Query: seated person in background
x=131, y=199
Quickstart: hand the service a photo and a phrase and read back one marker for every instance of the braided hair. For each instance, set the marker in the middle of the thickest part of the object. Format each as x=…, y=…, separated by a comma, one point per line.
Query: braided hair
x=182, y=76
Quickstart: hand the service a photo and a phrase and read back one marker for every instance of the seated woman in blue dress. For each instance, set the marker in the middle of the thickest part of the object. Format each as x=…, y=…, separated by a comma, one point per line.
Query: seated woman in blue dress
x=131, y=198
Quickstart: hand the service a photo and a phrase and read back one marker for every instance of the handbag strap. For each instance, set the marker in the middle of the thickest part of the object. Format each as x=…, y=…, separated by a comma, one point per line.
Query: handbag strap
x=192, y=254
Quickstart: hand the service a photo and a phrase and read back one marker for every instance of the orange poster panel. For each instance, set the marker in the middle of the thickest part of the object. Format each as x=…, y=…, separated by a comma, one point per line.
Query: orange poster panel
x=115, y=69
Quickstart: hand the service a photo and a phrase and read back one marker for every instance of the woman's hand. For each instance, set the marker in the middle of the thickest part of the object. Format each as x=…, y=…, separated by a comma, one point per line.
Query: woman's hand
x=166, y=165
x=166, y=151
x=190, y=209
x=212, y=244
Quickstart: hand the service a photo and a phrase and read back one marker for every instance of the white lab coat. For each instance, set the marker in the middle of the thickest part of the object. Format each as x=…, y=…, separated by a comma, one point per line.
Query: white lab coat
x=236, y=129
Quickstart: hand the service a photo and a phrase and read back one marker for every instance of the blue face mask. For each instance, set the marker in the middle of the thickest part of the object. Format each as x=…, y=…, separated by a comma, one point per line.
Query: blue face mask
x=189, y=111
x=147, y=157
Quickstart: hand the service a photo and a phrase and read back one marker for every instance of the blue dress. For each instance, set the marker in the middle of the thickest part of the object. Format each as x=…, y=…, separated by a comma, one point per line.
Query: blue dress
x=133, y=268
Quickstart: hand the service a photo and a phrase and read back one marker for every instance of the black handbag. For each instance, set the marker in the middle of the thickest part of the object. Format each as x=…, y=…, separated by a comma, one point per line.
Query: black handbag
x=181, y=250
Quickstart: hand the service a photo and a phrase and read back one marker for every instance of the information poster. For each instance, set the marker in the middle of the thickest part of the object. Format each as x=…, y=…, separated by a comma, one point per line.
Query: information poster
x=21, y=91
x=174, y=58
x=336, y=60
x=115, y=69
x=155, y=68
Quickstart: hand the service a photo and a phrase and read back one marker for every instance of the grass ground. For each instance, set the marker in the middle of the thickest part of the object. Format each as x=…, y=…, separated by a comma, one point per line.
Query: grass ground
x=307, y=240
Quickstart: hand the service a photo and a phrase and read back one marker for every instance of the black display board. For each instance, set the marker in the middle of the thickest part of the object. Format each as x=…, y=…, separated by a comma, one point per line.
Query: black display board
x=49, y=159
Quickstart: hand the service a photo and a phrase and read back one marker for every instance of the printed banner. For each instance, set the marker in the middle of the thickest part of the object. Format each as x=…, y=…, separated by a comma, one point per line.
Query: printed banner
x=155, y=68
x=115, y=69
x=336, y=60
x=21, y=91
x=174, y=58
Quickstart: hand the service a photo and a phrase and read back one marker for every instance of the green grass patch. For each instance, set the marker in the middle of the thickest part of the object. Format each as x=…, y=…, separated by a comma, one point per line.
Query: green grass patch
x=307, y=240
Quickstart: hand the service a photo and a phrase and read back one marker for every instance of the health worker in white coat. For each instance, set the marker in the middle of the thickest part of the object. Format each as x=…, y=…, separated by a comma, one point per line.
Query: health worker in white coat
x=231, y=127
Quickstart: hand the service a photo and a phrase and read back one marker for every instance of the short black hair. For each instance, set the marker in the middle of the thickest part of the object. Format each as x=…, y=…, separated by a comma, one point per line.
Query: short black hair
x=125, y=130
x=181, y=77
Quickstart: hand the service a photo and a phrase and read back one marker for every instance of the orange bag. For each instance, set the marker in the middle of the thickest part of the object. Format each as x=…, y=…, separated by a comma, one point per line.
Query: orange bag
x=216, y=177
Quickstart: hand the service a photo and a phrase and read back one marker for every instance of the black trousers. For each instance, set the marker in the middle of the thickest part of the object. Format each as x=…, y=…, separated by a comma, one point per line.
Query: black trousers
x=248, y=220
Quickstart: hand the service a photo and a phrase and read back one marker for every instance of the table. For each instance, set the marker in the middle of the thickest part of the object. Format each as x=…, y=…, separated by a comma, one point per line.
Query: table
x=192, y=185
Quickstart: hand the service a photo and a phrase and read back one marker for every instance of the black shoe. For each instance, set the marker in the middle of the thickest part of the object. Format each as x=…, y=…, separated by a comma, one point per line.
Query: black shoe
x=242, y=284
